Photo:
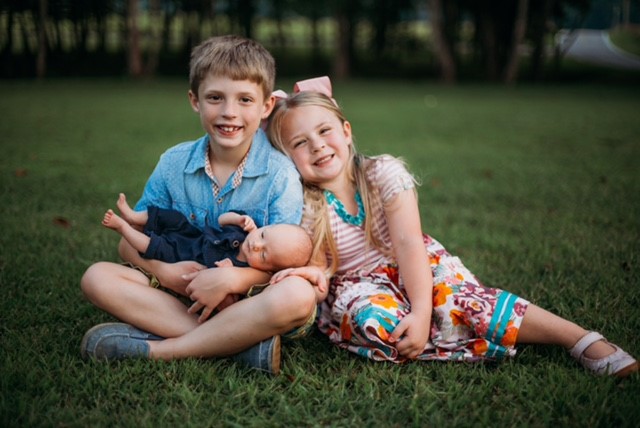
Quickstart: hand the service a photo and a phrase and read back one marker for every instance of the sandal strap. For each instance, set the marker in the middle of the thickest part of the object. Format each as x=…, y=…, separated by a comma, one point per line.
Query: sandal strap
x=584, y=342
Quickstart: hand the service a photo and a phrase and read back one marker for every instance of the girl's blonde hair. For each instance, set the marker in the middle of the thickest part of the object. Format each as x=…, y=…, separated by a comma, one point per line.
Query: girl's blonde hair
x=316, y=212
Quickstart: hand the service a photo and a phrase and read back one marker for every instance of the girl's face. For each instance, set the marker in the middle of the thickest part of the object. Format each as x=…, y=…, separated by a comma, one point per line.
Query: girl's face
x=318, y=143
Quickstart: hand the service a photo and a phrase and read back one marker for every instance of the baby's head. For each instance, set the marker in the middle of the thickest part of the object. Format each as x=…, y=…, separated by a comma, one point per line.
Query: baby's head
x=276, y=247
x=233, y=57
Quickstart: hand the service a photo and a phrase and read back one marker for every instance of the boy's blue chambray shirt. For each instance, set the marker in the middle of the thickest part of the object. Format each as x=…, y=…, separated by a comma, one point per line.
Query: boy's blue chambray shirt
x=270, y=191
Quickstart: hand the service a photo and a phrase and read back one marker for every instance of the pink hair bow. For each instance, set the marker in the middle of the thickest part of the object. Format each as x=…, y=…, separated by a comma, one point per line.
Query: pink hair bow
x=316, y=84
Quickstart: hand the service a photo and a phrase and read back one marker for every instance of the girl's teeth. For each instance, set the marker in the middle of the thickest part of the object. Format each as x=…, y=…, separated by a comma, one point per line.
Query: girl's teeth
x=323, y=160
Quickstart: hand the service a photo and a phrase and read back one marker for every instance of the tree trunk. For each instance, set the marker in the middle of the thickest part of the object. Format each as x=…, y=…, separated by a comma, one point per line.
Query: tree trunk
x=155, y=34
x=341, y=65
x=246, y=13
x=539, y=31
x=41, y=61
x=442, y=46
x=134, y=54
x=519, y=29
x=488, y=37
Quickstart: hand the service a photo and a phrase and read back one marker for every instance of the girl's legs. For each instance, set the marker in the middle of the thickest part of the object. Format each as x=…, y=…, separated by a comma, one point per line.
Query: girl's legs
x=137, y=239
x=542, y=327
x=589, y=348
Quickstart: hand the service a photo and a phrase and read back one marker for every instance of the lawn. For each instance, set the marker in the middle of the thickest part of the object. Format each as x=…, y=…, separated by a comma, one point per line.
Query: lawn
x=535, y=187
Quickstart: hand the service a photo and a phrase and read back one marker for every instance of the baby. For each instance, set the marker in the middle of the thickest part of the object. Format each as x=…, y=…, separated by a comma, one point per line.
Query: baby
x=168, y=236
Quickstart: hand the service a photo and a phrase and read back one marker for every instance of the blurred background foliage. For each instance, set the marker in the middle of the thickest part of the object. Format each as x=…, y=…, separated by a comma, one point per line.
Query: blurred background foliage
x=493, y=40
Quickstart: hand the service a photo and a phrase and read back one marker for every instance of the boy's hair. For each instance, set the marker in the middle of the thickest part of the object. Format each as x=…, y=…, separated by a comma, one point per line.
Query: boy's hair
x=316, y=212
x=234, y=57
x=300, y=248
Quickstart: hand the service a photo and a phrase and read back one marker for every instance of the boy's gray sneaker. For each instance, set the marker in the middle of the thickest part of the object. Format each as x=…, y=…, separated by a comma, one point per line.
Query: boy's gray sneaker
x=265, y=356
x=115, y=341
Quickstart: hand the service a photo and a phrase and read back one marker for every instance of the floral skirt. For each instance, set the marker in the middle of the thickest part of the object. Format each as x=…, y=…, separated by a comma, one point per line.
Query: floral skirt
x=470, y=322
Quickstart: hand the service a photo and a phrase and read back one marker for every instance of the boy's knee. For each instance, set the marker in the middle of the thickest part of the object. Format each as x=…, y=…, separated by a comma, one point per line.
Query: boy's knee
x=295, y=300
x=93, y=277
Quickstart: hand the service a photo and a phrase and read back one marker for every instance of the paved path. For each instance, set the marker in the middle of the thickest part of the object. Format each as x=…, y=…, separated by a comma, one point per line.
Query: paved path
x=595, y=47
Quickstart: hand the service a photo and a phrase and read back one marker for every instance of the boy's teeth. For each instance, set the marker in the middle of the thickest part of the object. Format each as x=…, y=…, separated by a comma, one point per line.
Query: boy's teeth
x=228, y=128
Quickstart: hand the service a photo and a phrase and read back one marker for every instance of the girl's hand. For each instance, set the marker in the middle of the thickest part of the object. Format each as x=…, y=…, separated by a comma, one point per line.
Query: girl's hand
x=411, y=335
x=224, y=263
x=313, y=274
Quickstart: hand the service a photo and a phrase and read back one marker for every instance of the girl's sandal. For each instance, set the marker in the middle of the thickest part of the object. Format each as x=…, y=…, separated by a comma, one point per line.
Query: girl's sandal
x=619, y=363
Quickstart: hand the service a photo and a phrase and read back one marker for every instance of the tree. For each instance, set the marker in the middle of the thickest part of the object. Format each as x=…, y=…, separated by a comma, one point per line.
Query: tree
x=345, y=15
x=519, y=28
x=134, y=54
x=41, y=61
x=442, y=43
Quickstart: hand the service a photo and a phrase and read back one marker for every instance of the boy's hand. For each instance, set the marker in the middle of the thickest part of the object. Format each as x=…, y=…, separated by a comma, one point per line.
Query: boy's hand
x=211, y=288
x=205, y=293
x=313, y=274
x=171, y=275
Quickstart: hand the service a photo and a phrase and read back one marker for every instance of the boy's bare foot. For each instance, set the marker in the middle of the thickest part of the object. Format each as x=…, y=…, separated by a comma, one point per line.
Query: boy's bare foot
x=132, y=217
x=112, y=220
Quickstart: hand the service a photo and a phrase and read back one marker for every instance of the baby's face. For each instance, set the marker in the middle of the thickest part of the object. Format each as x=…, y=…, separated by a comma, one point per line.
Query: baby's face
x=266, y=247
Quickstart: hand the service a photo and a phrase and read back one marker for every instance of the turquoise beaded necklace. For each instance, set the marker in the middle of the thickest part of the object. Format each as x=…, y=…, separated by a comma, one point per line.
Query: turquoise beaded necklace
x=342, y=212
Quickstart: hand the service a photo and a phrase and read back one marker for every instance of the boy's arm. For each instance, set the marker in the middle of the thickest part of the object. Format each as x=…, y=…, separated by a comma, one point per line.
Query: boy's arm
x=208, y=288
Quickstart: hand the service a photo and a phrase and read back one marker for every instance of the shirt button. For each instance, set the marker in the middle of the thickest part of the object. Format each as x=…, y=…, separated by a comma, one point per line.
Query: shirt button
x=193, y=216
x=235, y=244
x=220, y=200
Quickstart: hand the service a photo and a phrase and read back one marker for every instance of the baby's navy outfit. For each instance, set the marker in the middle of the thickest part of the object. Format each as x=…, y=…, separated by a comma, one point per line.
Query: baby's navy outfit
x=174, y=239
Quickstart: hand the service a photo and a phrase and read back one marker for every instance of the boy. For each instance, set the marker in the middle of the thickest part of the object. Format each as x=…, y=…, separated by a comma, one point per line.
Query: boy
x=233, y=167
x=168, y=236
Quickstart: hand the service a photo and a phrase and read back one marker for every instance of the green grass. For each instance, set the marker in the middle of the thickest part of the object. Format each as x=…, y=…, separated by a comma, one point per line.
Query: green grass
x=536, y=188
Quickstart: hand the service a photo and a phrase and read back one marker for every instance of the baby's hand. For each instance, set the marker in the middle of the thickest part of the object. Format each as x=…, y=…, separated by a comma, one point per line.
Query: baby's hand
x=224, y=263
x=247, y=223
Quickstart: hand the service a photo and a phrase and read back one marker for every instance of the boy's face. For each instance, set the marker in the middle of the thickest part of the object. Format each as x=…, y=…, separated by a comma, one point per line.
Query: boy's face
x=264, y=247
x=230, y=110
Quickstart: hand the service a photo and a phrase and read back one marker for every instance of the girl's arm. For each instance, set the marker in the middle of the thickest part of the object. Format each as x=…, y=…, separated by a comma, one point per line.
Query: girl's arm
x=403, y=218
x=316, y=274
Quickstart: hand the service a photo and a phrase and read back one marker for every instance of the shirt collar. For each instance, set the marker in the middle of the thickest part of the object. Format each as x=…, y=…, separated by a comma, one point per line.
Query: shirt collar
x=257, y=161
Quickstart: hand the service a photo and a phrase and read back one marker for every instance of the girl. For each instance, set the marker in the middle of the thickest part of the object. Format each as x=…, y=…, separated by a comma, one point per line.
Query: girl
x=396, y=294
